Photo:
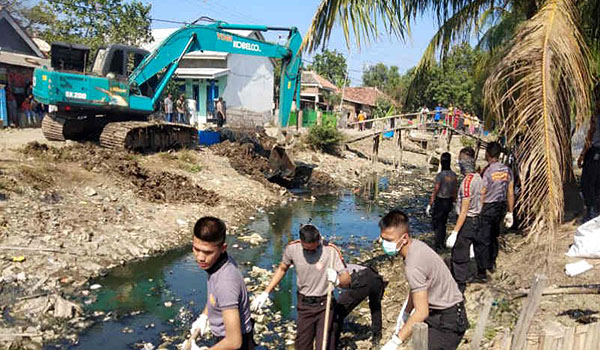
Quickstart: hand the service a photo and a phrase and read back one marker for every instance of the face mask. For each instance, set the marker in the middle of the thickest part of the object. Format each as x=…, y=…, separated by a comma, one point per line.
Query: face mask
x=389, y=247
x=461, y=166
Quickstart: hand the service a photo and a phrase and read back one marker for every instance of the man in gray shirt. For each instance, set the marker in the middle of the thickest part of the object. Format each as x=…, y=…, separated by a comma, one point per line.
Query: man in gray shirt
x=227, y=309
x=467, y=224
x=442, y=198
x=317, y=265
x=497, y=195
x=434, y=295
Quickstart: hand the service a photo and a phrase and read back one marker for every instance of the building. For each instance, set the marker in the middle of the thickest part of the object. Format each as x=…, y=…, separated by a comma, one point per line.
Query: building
x=315, y=91
x=19, y=56
x=245, y=82
x=362, y=98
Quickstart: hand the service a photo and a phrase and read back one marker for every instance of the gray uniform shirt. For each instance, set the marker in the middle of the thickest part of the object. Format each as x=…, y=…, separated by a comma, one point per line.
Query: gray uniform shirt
x=311, y=277
x=425, y=270
x=168, y=105
x=470, y=188
x=496, y=178
x=447, y=180
x=227, y=290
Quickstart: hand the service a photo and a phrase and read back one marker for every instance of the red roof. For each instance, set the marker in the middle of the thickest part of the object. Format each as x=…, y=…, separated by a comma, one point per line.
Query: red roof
x=311, y=77
x=365, y=95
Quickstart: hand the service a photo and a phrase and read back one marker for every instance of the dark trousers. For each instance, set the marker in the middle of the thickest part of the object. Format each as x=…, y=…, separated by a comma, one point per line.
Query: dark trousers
x=247, y=341
x=311, y=320
x=220, y=119
x=461, y=252
x=447, y=327
x=590, y=181
x=491, y=217
x=365, y=283
x=441, y=208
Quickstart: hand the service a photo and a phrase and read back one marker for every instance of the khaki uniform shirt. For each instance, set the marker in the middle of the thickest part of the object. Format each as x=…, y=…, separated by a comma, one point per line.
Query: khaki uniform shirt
x=311, y=277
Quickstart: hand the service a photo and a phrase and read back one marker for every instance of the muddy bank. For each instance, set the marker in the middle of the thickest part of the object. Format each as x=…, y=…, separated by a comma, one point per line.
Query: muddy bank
x=74, y=212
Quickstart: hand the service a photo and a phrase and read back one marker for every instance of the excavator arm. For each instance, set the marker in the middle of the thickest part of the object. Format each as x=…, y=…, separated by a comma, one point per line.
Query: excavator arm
x=215, y=37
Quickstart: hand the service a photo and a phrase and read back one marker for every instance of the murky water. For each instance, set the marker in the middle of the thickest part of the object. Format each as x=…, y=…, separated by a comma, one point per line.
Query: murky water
x=144, y=302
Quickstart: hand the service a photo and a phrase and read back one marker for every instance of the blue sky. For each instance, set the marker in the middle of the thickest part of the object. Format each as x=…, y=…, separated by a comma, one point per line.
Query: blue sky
x=299, y=13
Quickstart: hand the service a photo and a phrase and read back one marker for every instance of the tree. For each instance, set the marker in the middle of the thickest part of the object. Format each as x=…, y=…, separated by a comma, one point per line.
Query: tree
x=540, y=74
x=94, y=24
x=331, y=65
x=386, y=79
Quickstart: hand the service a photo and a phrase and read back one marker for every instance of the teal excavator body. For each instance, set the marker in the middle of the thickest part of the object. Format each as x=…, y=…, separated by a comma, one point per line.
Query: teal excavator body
x=126, y=84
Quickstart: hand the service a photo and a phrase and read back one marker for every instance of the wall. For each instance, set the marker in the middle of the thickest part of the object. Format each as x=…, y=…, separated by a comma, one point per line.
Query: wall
x=249, y=83
x=242, y=118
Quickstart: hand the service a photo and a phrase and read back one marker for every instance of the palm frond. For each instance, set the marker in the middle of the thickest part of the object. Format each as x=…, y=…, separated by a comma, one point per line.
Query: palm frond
x=356, y=17
x=541, y=80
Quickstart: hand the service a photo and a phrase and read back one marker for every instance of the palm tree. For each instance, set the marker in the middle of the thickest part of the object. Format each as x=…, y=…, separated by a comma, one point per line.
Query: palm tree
x=541, y=63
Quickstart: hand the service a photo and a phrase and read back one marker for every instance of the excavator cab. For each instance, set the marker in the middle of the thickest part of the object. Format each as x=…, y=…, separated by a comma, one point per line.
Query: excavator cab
x=119, y=60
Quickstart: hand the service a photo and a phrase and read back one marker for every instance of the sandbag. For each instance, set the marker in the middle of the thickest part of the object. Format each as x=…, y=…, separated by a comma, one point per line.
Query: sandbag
x=587, y=240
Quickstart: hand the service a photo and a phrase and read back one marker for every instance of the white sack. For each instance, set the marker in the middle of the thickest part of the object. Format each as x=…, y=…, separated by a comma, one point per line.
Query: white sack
x=587, y=240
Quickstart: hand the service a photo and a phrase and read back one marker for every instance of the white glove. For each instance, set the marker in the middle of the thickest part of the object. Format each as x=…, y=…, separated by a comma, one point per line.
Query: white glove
x=451, y=239
x=508, y=220
x=332, y=276
x=259, y=301
x=471, y=252
x=428, y=210
x=392, y=344
x=201, y=324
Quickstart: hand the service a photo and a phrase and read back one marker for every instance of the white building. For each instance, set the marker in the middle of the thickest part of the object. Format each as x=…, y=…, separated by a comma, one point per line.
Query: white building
x=245, y=82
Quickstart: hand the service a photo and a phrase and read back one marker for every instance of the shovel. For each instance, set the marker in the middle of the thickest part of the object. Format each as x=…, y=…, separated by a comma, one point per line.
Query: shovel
x=327, y=312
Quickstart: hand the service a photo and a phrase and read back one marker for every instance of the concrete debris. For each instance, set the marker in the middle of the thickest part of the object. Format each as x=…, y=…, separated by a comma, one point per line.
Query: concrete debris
x=65, y=309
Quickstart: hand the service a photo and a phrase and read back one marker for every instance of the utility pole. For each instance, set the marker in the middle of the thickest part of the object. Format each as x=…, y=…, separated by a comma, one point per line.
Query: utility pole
x=345, y=81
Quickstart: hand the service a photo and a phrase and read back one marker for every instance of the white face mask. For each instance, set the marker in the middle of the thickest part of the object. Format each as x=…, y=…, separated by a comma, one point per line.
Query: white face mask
x=389, y=247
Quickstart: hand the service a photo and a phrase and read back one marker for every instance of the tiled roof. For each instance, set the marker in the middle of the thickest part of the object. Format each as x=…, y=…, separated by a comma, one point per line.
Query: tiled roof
x=365, y=95
x=311, y=77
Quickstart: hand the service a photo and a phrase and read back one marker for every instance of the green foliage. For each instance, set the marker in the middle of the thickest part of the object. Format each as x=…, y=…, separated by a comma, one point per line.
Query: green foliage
x=383, y=108
x=451, y=82
x=92, y=23
x=386, y=79
x=325, y=138
x=331, y=65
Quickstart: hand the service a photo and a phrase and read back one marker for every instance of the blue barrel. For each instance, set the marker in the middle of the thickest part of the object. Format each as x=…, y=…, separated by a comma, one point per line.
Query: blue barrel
x=388, y=135
x=208, y=138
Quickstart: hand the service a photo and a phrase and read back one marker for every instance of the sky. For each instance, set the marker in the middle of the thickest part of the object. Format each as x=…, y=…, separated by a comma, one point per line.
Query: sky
x=299, y=13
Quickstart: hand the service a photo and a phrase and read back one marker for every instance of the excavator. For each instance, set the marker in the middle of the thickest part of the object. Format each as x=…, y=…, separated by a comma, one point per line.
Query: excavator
x=112, y=102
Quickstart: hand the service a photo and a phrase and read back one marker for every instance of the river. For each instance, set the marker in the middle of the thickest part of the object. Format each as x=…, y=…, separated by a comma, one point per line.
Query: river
x=152, y=300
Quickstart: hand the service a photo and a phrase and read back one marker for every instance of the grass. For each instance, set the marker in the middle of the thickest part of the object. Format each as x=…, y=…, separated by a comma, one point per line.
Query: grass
x=185, y=160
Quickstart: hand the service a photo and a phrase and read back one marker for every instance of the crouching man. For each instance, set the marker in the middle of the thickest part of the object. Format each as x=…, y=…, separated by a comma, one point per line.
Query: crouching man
x=434, y=295
x=227, y=310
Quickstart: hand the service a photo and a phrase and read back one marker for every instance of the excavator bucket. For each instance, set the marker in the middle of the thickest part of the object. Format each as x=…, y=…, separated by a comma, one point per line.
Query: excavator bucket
x=280, y=163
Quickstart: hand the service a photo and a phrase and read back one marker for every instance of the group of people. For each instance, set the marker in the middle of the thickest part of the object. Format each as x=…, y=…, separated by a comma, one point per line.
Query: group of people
x=31, y=110
x=182, y=115
x=180, y=108
x=451, y=116
x=484, y=202
x=435, y=297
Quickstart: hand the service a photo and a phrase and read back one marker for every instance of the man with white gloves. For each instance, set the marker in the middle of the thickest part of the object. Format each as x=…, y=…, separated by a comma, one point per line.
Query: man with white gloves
x=497, y=195
x=227, y=307
x=442, y=198
x=434, y=295
x=466, y=230
x=317, y=264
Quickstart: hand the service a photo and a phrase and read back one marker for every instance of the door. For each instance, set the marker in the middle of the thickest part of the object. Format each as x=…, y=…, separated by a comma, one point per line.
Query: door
x=212, y=93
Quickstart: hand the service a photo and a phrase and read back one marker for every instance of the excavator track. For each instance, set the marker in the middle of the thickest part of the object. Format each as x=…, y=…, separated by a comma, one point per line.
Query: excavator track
x=148, y=136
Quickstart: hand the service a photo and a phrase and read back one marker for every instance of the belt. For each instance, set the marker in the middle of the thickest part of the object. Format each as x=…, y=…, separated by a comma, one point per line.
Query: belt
x=311, y=299
x=452, y=309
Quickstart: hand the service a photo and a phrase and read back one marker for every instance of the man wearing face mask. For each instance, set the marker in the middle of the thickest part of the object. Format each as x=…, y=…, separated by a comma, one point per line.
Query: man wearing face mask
x=467, y=224
x=442, y=198
x=434, y=295
x=317, y=264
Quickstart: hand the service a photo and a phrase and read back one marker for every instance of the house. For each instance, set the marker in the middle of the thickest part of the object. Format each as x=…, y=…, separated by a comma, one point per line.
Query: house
x=364, y=98
x=245, y=82
x=315, y=90
x=19, y=56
